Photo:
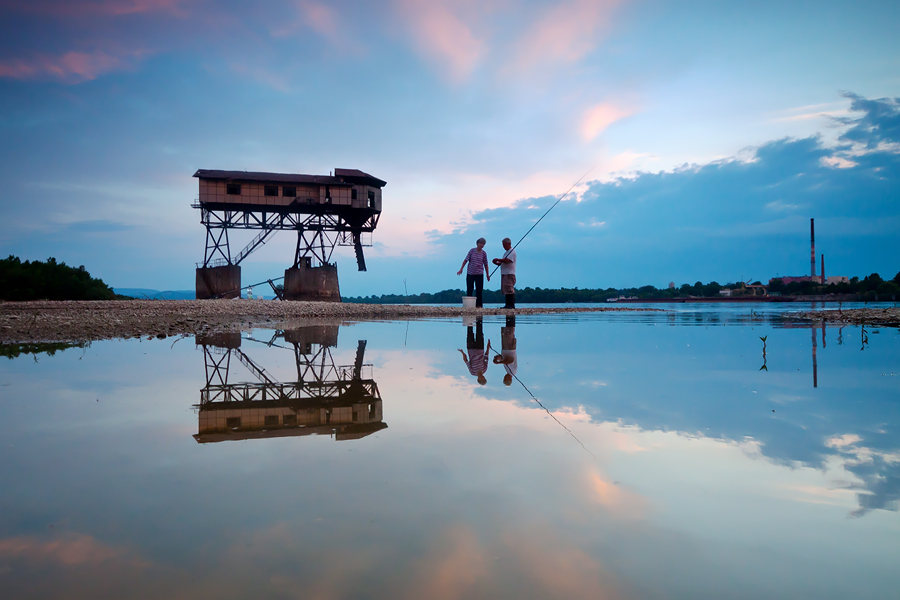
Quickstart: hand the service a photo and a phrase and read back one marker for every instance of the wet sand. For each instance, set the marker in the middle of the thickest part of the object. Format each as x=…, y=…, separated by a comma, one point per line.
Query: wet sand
x=44, y=321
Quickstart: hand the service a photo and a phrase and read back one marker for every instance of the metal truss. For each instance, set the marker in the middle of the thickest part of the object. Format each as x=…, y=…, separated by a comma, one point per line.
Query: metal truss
x=317, y=233
x=289, y=392
x=318, y=379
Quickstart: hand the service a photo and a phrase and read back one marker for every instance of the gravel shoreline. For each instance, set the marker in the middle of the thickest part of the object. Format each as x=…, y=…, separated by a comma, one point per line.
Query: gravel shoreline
x=45, y=321
x=854, y=316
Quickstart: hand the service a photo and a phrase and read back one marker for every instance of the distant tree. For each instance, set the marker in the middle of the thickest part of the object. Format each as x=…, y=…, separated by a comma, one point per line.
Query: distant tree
x=888, y=287
x=871, y=282
x=49, y=281
x=896, y=278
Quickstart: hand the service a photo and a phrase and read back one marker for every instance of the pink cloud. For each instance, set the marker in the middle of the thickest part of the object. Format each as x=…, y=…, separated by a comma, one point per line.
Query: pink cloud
x=320, y=18
x=71, y=67
x=325, y=21
x=565, y=33
x=69, y=550
x=444, y=36
x=597, y=118
x=261, y=75
x=76, y=8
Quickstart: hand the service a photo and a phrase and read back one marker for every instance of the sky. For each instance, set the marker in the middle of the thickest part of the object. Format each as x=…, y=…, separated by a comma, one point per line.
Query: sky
x=710, y=133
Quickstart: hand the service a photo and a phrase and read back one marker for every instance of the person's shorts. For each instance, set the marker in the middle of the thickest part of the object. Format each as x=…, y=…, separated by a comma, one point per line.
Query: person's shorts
x=507, y=284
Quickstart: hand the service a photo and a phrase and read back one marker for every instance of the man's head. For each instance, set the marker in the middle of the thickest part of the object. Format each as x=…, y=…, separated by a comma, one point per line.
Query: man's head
x=480, y=242
x=507, y=243
x=507, y=379
x=482, y=379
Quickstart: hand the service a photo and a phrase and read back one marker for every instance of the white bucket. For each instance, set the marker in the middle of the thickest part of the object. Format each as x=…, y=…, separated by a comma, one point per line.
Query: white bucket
x=468, y=301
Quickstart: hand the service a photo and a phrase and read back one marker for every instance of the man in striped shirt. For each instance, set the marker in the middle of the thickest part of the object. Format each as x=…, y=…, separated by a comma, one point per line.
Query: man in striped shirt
x=478, y=262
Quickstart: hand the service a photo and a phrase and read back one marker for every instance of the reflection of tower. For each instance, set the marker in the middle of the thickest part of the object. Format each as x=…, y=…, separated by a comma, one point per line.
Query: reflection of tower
x=325, y=399
x=815, y=365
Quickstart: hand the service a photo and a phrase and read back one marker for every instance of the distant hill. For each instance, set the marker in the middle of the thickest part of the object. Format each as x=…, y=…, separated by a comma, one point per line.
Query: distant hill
x=143, y=293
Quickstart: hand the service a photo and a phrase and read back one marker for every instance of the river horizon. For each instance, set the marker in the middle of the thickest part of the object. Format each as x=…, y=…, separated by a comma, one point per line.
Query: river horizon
x=677, y=454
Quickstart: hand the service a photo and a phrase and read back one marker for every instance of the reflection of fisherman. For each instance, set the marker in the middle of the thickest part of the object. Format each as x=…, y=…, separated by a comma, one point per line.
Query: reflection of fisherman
x=507, y=356
x=477, y=360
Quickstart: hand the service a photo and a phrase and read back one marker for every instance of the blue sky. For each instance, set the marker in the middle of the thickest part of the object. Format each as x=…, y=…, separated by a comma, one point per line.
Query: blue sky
x=714, y=132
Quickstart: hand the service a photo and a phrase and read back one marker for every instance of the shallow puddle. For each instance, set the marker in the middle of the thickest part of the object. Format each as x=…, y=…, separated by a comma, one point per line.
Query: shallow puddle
x=689, y=454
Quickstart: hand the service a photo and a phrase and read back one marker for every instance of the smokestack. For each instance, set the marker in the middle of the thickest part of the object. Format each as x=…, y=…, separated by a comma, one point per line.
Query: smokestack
x=823, y=271
x=812, y=250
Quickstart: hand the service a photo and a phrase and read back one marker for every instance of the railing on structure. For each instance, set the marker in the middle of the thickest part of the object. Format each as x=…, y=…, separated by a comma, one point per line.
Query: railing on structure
x=259, y=239
x=219, y=262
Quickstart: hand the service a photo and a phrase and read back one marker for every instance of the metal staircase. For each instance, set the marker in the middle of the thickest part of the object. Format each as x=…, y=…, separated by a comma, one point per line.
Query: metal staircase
x=254, y=243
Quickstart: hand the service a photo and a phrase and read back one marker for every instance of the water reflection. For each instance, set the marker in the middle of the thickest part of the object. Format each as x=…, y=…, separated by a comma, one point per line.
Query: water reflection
x=698, y=470
x=343, y=401
x=508, y=356
x=476, y=355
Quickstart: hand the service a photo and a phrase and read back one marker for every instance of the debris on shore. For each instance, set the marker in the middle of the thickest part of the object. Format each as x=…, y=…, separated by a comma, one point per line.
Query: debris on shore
x=853, y=316
x=45, y=321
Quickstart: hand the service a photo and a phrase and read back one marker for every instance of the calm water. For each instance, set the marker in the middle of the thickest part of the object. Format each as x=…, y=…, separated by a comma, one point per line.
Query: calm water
x=630, y=456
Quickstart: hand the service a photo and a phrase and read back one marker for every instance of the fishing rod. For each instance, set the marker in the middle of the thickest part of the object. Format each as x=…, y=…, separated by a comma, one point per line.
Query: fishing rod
x=247, y=287
x=552, y=416
x=544, y=215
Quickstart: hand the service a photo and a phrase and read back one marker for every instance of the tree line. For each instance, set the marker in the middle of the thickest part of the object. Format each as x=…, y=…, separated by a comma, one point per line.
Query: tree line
x=871, y=287
x=50, y=280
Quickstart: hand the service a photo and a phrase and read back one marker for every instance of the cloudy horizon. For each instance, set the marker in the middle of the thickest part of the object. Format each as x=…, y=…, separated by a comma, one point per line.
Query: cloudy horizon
x=714, y=133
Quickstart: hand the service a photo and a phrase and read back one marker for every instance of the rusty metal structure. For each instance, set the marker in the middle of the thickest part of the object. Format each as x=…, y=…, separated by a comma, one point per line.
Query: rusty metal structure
x=324, y=210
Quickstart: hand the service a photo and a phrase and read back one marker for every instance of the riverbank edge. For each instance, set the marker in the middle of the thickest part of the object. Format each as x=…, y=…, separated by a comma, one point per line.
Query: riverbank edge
x=852, y=316
x=82, y=321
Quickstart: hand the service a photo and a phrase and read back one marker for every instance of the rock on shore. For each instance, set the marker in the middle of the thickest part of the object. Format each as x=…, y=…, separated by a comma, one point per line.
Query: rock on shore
x=855, y=316
x=46, y=321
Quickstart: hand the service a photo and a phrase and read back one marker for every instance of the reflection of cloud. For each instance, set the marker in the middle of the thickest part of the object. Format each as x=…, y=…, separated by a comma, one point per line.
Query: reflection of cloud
x=454, y=563
x=552, y=567
x=457, y=566
x=68, y=550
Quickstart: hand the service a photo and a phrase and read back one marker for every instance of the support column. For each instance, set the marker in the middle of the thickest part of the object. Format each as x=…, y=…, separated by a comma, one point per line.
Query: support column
x=218, y=282
x=304, y=282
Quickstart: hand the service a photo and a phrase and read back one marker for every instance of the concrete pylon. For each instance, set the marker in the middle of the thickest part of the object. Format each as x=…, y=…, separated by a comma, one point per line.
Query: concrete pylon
x=218, y=282
x=312, y=283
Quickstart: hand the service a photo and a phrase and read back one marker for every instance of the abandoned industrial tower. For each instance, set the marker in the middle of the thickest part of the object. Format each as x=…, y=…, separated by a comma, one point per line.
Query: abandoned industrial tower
x=325, y=211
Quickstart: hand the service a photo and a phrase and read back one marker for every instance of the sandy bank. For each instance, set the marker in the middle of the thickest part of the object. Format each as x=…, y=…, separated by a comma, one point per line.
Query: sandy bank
x=22, y=322
x=855, y=316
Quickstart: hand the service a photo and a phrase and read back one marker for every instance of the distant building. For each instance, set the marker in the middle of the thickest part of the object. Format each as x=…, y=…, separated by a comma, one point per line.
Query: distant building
x=790, y=279
x=755, y=289
x=671, y=285
x=725, y=293
x=836, y=279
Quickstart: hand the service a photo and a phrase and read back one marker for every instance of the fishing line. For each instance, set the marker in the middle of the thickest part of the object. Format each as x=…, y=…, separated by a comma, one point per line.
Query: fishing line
x=545, y=214
x=533, y=397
